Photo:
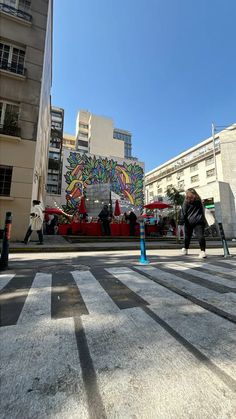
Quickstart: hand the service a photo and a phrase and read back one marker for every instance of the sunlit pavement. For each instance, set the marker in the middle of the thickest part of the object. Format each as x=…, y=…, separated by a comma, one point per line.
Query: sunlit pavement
x=97, y=335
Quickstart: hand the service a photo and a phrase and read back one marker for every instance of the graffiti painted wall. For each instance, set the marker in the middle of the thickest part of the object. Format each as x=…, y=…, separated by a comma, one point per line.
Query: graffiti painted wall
x=125, y=178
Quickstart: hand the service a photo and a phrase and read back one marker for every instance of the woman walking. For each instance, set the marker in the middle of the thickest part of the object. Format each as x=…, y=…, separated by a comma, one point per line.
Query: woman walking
x=193, y=218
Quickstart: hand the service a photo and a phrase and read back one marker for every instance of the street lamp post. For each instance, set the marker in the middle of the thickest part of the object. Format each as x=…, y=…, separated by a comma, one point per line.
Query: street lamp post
x=214, y=150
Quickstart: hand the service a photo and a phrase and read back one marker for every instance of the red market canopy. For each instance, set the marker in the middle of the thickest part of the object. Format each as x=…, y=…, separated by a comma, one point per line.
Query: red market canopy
x=82, y=209
x=117, y=211
x=53, y=211
x=157, y=205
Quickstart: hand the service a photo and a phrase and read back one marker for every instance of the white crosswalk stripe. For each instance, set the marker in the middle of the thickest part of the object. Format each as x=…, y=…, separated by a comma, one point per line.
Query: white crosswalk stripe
x=230, y=261
x=40, y=361
x=96, y=299
x=4, y=279
x=138, y=362
x=220, y=301
x=182, y=315
x=212, y=277
x=213, y=268
x=38, y=302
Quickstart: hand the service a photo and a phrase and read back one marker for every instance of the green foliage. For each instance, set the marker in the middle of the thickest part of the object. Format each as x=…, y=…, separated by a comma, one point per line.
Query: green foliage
x=175, y=196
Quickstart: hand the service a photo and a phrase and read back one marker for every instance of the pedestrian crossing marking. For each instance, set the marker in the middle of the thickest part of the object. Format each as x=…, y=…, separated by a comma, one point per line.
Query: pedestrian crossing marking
x=38, y=302
x=92, y=293
x=212, y=300
x=173, y=309
x=96, y=299
x=12, y=298
x=4, y=279
x=122, y=296
x=189, y=268
x=133, y=351
x=213, y=268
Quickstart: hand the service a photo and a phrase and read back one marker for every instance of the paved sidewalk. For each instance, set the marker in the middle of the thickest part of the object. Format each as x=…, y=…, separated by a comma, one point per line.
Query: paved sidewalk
x=60, y=244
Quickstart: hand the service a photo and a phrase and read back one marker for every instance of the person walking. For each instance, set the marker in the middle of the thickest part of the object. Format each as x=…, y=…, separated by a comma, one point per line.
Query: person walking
x=132, y=218
x=193, y=218
x=105, y=218
x=36, y=222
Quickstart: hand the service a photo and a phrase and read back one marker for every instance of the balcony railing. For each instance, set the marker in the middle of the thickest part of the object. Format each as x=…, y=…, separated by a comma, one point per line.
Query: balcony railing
x=184, y=164
x=13, y=130
x=15, y=12
x=13, y=68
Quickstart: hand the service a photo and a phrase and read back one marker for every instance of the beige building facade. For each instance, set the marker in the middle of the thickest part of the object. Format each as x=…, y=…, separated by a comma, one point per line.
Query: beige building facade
x=69, y=141
x=25, y=72
x=96, y=135
x=210, y=168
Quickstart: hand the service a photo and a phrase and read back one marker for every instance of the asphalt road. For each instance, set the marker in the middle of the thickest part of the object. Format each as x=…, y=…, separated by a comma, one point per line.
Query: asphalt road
x=98, y=335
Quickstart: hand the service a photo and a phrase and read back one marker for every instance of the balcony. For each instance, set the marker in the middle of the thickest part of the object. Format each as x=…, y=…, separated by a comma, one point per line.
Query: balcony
x=15, y=12
x=13, y=68
x=53, y=164
x=183, y=164
x=12, y=129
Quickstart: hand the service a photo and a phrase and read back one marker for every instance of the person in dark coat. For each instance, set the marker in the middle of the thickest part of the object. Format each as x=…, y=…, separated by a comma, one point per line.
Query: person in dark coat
x=105, y=218
x=132, y=218
x=193, y=217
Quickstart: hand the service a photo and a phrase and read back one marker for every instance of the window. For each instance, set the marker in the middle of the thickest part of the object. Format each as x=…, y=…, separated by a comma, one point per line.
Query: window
x=52, y=189
x=82, y=143
x=85, y=126
x=169, y=186
x=210, y=173
x=17, y=8
x=122, y=136
x=12, y=59
x=181, y=184
x=55, y=142
x=209, y=161
x=180, y=174
x=21, y=4
x=159, y=190
x=5, y=180
x=128, y=152
x=193, y=168
x=83, y=134
x=52, y=177
x=57, y=125
x=53, y=155
x=194, y=178
x=9, y=113
x=24, y=4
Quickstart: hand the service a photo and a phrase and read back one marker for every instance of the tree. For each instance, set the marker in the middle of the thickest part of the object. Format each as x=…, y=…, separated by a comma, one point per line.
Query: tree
x=176, y=198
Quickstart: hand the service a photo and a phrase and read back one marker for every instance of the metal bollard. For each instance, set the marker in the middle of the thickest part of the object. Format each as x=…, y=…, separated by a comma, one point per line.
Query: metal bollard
x=143, y=258
x=224, y=242
x=5, y=242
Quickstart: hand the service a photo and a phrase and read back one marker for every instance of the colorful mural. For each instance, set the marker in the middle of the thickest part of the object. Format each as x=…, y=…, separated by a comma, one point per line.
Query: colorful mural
x=82, y=170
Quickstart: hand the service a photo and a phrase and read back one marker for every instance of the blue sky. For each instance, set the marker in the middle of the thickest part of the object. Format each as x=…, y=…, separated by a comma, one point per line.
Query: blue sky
x=162, y=69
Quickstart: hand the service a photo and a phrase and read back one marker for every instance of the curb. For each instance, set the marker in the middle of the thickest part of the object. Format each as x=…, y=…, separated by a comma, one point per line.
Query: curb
x=149, y=246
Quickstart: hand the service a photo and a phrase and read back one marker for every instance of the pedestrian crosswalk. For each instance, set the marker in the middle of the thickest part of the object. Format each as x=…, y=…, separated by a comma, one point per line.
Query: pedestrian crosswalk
x=118, y=341
x=105, y=290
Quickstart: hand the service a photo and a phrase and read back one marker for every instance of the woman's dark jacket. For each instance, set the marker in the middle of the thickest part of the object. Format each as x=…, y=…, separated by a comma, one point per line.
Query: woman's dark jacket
x=104, y=214
x=192, y=213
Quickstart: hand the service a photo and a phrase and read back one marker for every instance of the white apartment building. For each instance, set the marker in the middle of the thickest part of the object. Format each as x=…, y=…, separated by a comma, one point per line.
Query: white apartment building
x=210, y=168
x=97, y=135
